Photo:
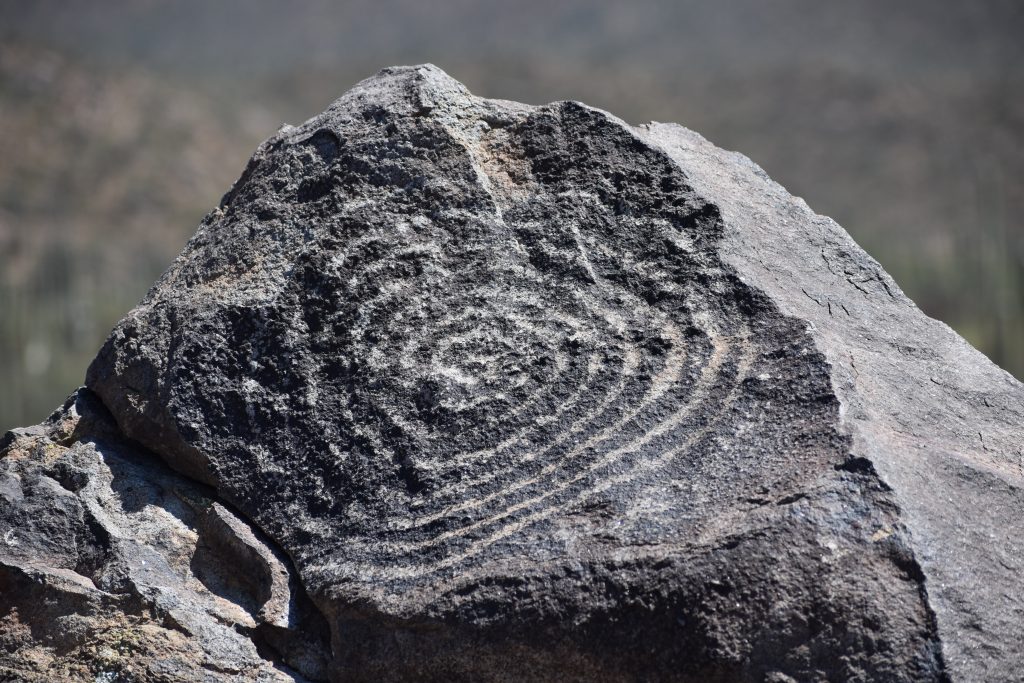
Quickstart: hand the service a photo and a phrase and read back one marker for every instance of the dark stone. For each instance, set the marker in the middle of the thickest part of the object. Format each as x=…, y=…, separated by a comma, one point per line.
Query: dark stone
x=528, y=393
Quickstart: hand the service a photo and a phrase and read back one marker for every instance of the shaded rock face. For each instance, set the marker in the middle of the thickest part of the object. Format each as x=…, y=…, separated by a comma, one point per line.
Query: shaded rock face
x=476, y=390
x=114, y=568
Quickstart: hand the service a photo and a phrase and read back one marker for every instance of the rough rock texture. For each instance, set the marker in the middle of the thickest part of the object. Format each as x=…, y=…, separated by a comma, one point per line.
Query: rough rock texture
x=114, y=568
x=480, y=391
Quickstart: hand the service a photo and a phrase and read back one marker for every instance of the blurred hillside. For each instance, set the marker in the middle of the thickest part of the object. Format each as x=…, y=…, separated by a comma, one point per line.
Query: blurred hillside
x=122, y=122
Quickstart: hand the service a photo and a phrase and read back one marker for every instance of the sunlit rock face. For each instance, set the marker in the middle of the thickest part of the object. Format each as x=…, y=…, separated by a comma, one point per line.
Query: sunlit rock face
x=491, y=391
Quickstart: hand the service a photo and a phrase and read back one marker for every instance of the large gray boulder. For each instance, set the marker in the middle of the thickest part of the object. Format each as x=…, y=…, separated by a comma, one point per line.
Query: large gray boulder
x=464, y=389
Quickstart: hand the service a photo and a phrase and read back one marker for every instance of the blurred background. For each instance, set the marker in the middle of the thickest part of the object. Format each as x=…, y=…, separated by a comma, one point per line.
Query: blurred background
x=123, y=122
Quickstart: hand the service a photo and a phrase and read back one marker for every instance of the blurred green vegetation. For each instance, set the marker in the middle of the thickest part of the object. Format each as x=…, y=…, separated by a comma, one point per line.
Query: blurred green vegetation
x=122, y=123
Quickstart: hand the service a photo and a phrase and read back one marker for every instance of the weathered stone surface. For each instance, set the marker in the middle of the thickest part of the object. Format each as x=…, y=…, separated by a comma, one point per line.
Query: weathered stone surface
x=528, y=393
x=114, y=568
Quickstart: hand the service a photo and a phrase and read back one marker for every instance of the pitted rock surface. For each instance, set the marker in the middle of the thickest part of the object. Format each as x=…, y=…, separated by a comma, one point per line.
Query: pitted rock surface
x=114, y=568
x=528, y=393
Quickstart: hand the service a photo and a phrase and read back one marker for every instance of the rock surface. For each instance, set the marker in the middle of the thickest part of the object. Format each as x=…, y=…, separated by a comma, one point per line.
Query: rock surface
x=115, y=568
x=463, y=389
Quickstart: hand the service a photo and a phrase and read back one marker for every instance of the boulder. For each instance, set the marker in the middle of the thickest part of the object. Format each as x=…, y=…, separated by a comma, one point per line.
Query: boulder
x=450, y=388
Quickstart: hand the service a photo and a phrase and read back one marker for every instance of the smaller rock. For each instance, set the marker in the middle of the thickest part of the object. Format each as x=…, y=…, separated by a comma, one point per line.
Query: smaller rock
x=113, y=567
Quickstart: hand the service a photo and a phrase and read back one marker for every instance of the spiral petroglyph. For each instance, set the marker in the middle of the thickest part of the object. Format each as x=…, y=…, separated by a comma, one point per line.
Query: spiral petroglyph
x=510, y=386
